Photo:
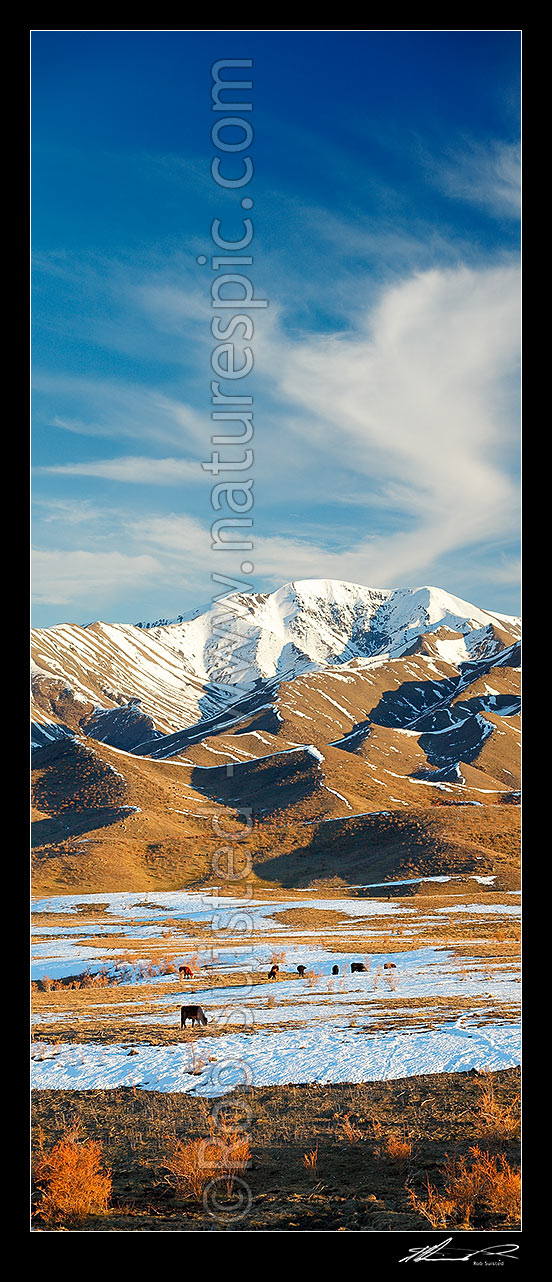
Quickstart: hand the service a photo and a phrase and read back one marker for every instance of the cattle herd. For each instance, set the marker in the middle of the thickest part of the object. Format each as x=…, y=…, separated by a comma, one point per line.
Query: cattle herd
x=198, y=1016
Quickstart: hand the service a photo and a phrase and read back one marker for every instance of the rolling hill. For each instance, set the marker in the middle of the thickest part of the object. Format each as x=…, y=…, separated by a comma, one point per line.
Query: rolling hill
x=329, y=730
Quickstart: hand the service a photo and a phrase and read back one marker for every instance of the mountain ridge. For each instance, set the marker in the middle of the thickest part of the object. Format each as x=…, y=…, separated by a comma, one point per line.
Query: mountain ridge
x=374, y=733
x=179, y=673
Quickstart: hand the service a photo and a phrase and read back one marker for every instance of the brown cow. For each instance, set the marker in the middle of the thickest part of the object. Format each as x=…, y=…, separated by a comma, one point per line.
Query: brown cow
x=272, y=974
x=357, y=966
x=185, y=972
x=389, y=966
x=195, y=1013
x=335, y=970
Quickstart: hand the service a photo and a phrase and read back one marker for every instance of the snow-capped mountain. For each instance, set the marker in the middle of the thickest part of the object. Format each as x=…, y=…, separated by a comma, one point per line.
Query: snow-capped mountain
x=364, y=732
x=135, y=682
x=317, y=621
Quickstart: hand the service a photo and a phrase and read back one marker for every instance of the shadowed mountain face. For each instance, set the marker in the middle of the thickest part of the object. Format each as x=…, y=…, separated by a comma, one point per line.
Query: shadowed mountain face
x=173, y=676
x=359, y=715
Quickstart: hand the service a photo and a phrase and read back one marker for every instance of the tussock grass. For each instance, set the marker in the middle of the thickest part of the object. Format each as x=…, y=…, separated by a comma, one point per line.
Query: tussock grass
x=71, y=1180
x=193, y=1165
x=348, y=1131
x=478, y=1184
x=497, y=1120
x=399, y=1149
x=310, y=1160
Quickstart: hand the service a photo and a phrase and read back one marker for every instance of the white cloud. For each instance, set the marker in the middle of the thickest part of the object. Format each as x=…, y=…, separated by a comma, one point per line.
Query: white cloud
x=62, y=576
x=134, y=470
x=417, y=400
x=415, y=405
x=122, y=409
x=487, y=176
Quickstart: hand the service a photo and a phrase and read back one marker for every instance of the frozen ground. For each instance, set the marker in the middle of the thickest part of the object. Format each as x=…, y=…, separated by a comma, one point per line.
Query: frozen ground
x=435, y=1010
x=269, y=1059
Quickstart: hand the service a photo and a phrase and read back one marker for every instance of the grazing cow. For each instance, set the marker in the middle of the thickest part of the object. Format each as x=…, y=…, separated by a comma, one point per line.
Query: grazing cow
x=301, y=970
x=195, y=1013
x=389, y=966
x=185, y=972
x=272, y=974
x=335, y=970
x=357, y=966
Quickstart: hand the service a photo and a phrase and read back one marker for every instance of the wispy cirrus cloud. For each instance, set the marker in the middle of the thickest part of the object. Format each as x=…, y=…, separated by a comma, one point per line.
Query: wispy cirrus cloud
x=487, y=175
x=134, y=470
x=78, y=575
x=120, y=409
x=418, y=397
x=408, y=416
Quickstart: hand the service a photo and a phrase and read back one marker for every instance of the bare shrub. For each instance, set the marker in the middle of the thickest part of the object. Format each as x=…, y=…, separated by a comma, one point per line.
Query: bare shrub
x=398, y=1149
x=474, y=1185
x=434, y=1208
x=193, y=1165
x=71, y=1179
x=498, y=1120
x=348, y=1131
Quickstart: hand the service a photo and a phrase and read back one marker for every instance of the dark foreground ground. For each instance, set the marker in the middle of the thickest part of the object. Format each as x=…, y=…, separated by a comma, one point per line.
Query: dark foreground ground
x=356, y=1180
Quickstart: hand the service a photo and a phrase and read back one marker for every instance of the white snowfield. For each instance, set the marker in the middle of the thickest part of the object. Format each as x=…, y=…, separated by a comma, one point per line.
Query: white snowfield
x=141, y=916
x=323, y=1054
x=320, y=1028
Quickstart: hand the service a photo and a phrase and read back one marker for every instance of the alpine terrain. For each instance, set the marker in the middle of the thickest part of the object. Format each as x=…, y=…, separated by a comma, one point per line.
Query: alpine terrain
x=331, y=733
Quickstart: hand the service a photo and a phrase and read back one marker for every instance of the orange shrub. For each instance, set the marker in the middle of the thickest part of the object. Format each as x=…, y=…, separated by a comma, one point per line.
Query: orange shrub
x=348, y=1131
x=487, y=1184
x=71, y=1179
x=501, y=1121
x=398, y=1149
x=195, y=1164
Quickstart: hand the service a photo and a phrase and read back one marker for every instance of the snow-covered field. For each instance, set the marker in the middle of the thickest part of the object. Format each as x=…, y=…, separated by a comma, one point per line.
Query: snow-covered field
x=269, y=1059
x=437, y=1009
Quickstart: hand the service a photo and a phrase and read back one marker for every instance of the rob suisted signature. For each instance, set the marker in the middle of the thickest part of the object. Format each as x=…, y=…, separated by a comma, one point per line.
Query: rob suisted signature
x=444, y=1251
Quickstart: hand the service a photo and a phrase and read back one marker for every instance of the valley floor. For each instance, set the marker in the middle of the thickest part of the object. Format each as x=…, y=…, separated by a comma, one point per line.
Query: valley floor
x=360, y=1181
x=326, y=1064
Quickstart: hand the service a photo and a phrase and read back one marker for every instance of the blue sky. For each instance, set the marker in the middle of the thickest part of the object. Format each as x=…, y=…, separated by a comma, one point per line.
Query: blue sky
x=385, y=384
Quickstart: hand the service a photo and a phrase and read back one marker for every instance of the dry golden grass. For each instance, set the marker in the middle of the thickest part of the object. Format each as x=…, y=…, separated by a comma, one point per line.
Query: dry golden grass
x=311, y=918
x=72, y=1182
x=478, y=1184
x=348, y=1131
x=497, y=1120
x=310, y=1160
x=192, y=1166
x=398, y=1148
x=392, y=1145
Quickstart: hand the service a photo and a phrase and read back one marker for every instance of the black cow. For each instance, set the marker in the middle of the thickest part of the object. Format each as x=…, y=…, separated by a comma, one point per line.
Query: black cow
x=195, y=1013
x=335, y=970
x=357, y=966
x=301, y=970
x=272, y=974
